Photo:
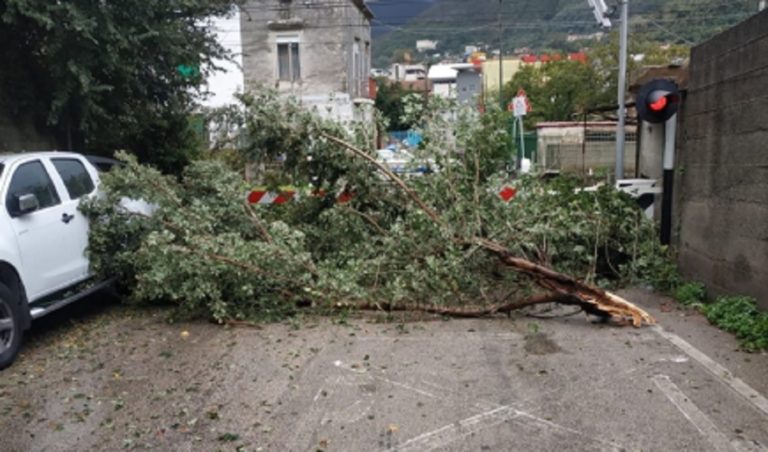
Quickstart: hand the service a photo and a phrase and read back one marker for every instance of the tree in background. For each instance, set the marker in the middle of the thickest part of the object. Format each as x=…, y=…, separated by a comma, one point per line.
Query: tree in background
x=557, y=90
x=604, y=58
x=390, y=102
x=107, y=75
x=563, y=90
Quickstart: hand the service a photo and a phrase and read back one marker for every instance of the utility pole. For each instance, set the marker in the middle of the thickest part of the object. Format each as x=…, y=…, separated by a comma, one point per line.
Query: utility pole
x=620, y=130
x=501, y=61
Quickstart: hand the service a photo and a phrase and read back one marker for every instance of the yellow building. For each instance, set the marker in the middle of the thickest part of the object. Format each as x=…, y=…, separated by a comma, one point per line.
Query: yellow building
x=491, y=73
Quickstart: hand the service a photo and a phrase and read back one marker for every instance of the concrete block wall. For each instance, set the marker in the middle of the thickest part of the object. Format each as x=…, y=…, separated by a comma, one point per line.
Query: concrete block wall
x=721, y=203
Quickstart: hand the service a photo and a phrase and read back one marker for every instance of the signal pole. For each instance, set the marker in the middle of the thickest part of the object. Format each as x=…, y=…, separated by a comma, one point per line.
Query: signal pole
x=501, y=61
x=620, y=130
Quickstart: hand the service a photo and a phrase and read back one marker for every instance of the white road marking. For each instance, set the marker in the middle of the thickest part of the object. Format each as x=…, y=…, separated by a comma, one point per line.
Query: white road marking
x=723, y=374
x=384, y=379
x=317, y=396
x=695, y=416
x=455, y=431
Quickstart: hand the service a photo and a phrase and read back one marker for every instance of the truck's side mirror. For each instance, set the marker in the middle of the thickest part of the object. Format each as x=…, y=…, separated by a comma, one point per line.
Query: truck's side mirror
x=27, y=203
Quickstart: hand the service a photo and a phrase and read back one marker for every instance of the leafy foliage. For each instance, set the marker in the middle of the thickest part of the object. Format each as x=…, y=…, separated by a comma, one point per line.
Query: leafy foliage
x=200, y=247
x=740, y=315
x=206, y=250
x=390, y=101
x=105, y=75
x=691, y=293
x=735, y=314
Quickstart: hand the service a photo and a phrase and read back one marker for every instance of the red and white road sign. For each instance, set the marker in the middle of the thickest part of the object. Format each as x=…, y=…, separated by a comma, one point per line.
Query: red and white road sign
x=520, y=104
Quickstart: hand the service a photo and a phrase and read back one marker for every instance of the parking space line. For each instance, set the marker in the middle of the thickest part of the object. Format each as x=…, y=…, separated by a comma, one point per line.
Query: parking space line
x=695, y=416
x=453, y=432
x=722, y=374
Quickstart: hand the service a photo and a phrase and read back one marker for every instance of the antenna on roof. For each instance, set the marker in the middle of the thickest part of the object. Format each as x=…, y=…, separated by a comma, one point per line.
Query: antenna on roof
x=601, y=12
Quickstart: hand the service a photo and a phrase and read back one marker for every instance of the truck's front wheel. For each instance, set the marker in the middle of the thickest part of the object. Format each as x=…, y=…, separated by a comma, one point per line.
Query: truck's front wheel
x=10, y=327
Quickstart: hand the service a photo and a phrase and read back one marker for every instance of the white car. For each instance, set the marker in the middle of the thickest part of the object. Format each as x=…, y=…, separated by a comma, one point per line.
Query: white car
x=43, y=238
x=403, y=162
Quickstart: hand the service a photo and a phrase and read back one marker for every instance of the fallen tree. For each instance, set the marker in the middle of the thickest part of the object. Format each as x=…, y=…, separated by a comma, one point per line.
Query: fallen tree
x=569, y=290
x=437, y=244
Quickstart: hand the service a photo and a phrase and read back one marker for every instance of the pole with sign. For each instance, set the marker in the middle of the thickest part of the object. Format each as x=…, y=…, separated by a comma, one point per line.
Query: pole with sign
x=520, y=107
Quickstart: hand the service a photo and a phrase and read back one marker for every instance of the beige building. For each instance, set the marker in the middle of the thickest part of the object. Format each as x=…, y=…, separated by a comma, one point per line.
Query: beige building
x=491, y=72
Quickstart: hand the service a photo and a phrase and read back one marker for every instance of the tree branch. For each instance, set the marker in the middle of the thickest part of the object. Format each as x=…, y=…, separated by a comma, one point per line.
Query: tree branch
x=591, y=298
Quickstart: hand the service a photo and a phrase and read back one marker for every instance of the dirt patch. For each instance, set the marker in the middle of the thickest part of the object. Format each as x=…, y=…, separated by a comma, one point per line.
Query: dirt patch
x=540, y=344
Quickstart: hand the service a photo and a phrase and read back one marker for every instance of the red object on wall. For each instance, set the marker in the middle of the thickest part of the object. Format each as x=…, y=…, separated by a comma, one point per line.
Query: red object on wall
x=373, y=88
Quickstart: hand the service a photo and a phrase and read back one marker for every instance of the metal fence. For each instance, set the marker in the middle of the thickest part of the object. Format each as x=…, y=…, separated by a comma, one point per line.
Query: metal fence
x=595, y=152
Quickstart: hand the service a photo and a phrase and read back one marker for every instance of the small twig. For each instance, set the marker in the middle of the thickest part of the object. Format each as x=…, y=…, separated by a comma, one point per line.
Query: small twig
x=257, y=222
x=360, y=153
x=367, y=218
x=608, y=260
x=479, y=226
x=244, y=323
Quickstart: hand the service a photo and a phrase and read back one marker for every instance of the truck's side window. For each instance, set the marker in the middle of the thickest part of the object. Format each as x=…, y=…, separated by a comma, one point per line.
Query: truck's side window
x=31, y=178
x=75, y=177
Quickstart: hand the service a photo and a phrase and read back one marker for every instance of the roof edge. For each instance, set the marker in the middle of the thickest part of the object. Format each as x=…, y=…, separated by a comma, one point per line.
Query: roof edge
x=363, y=9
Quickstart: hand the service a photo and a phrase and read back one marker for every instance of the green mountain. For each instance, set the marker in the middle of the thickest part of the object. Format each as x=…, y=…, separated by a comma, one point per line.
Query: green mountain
x=545, y=24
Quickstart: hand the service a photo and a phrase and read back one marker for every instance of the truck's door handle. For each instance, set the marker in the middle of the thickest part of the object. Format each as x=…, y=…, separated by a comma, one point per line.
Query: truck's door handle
x=66, y=218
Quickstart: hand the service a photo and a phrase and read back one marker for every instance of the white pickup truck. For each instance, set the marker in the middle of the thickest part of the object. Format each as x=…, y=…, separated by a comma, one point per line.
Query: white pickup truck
x=43, y=237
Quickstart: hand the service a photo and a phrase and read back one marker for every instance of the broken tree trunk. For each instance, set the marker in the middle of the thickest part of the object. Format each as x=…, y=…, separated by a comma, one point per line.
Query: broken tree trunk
x=470, y=311
x=571, y=291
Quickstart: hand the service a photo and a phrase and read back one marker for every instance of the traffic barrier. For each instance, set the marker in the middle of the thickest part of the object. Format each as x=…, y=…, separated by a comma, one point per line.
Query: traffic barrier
x=262, y=196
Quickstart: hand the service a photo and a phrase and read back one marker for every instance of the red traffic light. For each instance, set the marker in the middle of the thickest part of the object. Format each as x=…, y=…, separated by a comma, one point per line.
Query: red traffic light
x=659, y=105
x=657, y=101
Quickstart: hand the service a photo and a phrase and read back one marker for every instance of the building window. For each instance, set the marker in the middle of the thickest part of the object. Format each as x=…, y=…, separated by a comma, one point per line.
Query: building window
x=288, y=66
x=356, y=67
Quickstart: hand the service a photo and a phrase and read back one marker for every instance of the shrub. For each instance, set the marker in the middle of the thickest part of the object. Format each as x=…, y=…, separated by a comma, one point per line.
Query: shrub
x=691, y=293
x=740, y=315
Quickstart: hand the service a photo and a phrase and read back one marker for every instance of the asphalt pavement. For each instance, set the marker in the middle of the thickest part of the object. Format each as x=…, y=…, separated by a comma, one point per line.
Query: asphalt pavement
x=504, y=384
